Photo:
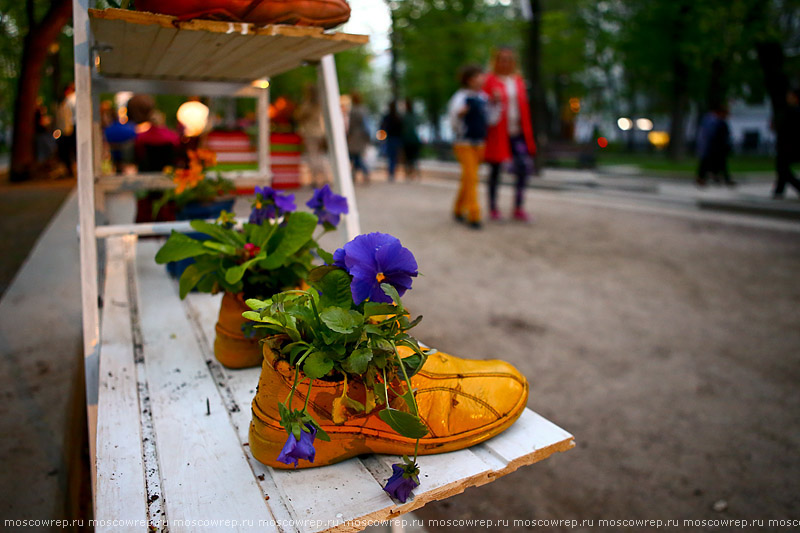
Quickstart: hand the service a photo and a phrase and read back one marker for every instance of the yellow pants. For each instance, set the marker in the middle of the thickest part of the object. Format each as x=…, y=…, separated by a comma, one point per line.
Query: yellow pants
x=470, y=156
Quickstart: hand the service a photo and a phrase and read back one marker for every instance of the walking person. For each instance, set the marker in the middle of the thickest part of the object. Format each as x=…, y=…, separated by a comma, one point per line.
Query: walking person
x=787, y=128
x=411, y=142
x=511, y=138
x=392, y=125
x=714, y=146
x=358, y=136
x=468, y=112
x=65, y=124
x=311, y=127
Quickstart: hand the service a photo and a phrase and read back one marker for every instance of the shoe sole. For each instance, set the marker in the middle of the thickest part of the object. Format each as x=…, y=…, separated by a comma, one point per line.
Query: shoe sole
x=267, y=438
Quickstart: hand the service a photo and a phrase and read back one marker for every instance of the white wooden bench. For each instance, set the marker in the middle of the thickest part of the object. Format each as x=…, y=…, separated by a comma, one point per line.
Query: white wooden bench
x=172, y=432
x=167, y=423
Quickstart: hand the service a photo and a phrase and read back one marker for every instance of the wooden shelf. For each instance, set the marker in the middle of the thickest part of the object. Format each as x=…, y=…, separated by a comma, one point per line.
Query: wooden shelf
x=172, y=439
x=139, y=45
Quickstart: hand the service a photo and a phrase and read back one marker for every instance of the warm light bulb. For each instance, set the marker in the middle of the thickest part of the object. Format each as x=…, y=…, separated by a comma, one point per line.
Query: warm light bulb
x=194, y=117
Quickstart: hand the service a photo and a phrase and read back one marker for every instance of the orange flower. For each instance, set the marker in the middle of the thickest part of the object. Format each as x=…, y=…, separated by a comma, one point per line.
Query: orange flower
x=207, y=157
x=188, y=178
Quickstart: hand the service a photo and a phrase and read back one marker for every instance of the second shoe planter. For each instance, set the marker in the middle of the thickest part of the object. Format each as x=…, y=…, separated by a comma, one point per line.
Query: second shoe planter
x=324, y=13
x=231, y=346
x=462, y=402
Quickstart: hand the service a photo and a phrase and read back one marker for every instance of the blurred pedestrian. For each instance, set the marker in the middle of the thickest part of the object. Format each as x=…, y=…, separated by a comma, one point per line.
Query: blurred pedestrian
x=714, y=146
x=65, y=124
x=311, y=127
x=358, y=136
x=411, y=142
x=787, y=129
x=511, y=138
x=469, y=115
x=392, y=126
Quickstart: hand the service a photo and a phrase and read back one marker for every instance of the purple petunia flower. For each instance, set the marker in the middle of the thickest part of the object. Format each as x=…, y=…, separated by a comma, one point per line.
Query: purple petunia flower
x=270, y=204
x=293, y=450
x=373, y=259
x=399, y=486
x=328, y=206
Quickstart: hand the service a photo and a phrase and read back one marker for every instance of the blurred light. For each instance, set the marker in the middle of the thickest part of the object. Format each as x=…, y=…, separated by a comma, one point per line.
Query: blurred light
x=644, y=124
x=624, y=123
x=56, y=134
x=54, y=48
x=261, y=84
x=123, y=120
x=97, y=61
x=381, y=135
x=659, y=139
x=121, y=99
x=194, y=117
x=602, y=142
x=575, y=105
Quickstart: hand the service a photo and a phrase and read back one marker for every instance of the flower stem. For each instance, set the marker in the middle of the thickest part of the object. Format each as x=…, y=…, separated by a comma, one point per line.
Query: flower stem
x=405, y=376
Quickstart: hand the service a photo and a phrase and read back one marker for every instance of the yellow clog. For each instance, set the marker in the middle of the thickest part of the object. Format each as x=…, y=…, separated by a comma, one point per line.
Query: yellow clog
x=463, y=402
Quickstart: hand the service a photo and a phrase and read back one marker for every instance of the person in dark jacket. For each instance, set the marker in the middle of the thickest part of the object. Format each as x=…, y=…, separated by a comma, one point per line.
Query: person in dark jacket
x=787, y=128
x=392, y=125
x=714, y=146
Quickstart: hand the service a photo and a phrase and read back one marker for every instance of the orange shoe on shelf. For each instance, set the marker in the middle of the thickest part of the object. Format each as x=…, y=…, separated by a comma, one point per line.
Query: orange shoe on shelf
x=324, y=13
x=462, y=402
x=231, y=347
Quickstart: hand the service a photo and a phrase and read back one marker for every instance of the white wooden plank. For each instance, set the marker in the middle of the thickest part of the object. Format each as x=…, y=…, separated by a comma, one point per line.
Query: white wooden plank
x=337, y=141
x=204, y=473
x=531, y=439
x=120, y=480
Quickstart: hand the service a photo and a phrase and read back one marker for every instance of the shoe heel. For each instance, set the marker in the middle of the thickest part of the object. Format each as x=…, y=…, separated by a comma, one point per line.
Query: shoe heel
x=235, y=352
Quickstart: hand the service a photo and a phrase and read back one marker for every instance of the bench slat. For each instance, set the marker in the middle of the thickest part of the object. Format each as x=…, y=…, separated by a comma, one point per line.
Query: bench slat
x=120, y=483
x=205, y=475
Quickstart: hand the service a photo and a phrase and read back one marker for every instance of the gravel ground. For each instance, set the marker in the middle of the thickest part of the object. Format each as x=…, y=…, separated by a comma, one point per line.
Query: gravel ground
x=668, y=345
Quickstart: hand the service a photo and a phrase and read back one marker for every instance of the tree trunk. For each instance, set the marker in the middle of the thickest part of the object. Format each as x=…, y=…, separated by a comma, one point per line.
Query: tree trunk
x=394, y=77
x=34, y=55
x=680, y=88
x=538, y=104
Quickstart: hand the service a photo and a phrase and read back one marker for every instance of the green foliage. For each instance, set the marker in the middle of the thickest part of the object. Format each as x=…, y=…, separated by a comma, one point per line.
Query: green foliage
x=258, y=260
x=331, y=339
x=435, y=39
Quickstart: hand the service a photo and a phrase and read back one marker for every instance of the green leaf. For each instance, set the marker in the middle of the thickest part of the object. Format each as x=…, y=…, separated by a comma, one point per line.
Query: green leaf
x=413, y=363
x=255, y=316
x=376, y=308
x=235, y=274
x=335, y=289
x=317, y=365
x=257, y=305
x=357, y=361
x=325, y=256
x=404, y=423
x=226, y=249
x=299, y=228
x=391, y=292
x=320, y=272
x=228, y=236
x=353, y=404
x=341, y=320
x=180, y=246
x=191, y=276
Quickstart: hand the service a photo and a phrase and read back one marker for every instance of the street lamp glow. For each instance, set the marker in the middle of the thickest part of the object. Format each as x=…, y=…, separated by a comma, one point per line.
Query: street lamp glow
x=261, y=84
x=644, y=124
x=194, y=117
x=624, y=123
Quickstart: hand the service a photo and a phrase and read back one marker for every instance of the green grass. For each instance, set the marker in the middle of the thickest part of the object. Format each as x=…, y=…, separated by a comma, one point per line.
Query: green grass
x=660, y=164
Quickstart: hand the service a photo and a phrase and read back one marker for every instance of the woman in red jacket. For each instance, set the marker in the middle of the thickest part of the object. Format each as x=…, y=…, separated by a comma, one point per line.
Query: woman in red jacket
x=511, y=138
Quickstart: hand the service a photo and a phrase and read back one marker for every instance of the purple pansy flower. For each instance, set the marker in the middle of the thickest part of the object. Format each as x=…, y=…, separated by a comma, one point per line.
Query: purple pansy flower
x=328, y=206
x=270, y=204
x=373, y=259
x=295, y=450
x=399, y=486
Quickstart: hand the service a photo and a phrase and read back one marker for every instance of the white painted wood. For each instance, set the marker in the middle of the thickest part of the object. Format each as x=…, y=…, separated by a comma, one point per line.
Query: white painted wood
x=337, y=144
x=149, y=228
x=204, y=473
x=88, y=245
x=264, y=134
x=120, y=481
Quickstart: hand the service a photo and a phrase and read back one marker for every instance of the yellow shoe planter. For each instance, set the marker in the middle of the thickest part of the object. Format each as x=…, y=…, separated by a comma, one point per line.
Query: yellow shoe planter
x=462, y=402
x=231, y=347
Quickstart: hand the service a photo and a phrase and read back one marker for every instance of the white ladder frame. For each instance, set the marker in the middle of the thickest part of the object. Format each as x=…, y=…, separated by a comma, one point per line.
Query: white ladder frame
x=87, y=129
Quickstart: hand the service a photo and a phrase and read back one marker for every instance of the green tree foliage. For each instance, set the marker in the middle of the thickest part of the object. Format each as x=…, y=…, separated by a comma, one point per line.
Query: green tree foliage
x=437, y=37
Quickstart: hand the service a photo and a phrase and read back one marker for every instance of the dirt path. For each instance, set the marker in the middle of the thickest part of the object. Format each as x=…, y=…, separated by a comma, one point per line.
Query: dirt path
x=669, y=346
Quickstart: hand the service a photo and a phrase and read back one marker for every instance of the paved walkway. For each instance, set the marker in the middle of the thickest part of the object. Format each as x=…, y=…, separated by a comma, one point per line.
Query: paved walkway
x=664, y=337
